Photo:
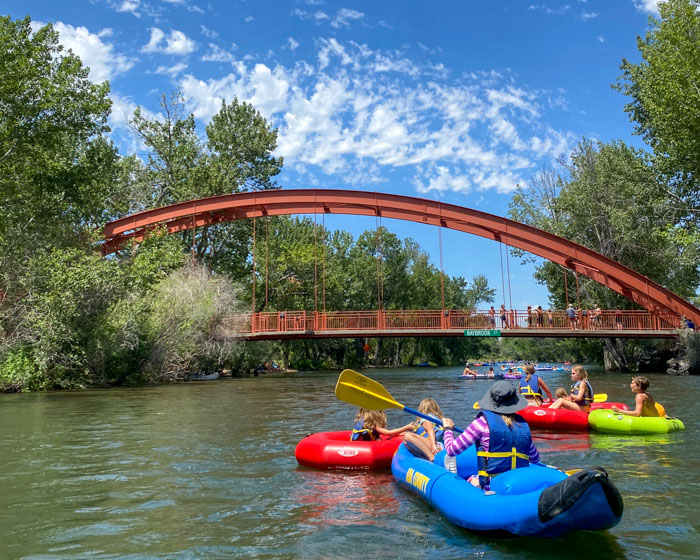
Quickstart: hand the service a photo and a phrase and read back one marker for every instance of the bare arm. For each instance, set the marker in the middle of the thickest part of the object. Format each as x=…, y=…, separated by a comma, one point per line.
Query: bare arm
x=638, y=405
x=395, y=431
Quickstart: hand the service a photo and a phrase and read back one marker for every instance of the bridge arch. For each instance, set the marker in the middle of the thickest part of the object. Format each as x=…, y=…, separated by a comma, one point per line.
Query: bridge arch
x=225, y=208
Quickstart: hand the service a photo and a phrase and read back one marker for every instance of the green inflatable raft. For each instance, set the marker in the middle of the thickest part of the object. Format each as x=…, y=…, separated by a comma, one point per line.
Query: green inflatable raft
x=607, y=421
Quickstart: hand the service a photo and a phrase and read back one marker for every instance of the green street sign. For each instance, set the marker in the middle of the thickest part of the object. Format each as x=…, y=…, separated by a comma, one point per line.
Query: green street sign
x=482, y=332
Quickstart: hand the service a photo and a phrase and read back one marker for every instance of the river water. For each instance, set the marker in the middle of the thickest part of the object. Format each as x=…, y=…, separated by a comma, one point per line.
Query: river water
x=207, y=470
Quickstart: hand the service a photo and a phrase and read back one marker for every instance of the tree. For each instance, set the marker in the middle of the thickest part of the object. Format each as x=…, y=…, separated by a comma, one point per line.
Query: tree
x=665, y=95
x=56, y=169
x=609, y=198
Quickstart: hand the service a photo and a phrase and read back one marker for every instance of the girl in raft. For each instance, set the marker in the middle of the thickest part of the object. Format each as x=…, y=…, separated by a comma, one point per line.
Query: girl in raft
x=531, y=387
x=370, y=424
x=502, y=437
x=581, y=395
x=426, y=438
x=645, y=405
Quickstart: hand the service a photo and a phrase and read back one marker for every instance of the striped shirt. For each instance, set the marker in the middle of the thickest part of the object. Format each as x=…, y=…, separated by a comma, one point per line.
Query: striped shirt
x=477, y=433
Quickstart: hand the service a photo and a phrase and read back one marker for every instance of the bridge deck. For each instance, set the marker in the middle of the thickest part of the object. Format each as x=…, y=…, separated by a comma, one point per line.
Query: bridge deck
x=541, y=333
x=454, y=322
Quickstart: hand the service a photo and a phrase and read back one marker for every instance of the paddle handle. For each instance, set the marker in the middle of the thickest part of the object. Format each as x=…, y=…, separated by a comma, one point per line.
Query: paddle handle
x=428, y=417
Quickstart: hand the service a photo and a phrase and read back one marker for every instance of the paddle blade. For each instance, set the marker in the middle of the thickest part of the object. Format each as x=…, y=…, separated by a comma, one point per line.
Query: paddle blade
x=600, y=397
x=355, y=388
x=476, y=406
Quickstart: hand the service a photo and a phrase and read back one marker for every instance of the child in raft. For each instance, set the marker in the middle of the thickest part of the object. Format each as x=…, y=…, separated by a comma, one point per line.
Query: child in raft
x=645, y=405
x=531, y=386
x=426, y=437
x=560, y=393
x=491, y=374
x=581, y=395
x=370, y=424
x=502, y=437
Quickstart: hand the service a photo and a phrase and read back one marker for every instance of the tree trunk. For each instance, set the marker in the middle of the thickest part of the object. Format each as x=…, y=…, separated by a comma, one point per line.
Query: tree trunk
x=615, y=355
x=378, y=352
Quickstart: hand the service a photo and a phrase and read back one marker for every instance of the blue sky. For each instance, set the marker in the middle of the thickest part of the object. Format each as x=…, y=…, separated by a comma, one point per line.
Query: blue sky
x=455, y=100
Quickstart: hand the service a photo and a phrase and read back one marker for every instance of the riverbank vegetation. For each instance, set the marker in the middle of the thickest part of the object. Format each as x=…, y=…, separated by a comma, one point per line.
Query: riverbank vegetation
x=70, y=318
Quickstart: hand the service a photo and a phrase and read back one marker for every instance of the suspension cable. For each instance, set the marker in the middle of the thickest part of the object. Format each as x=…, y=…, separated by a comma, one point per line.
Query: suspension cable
x=510, y=297
x=254, y=259
x=503, y=281
x=315, y=259
x=323, y=258
x=267, y=269
x=442, y=273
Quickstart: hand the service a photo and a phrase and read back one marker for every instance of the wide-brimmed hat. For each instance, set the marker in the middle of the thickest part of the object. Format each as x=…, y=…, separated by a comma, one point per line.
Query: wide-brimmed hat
x=503, y=397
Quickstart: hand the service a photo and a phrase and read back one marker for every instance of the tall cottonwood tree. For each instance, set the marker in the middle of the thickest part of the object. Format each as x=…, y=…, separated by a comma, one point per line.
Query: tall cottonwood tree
x=609, y=198
x=664, y=92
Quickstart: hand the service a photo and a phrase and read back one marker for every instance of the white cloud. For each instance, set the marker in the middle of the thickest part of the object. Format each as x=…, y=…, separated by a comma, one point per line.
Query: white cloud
x=357, y=111
x=130, y=6
x=177, y=43
x=651, y=6
x=172, y=70
x=600, y=39
x=293, y=43
x=98, y=55
x=217, y=54
x=585, y=16
x=344, y=16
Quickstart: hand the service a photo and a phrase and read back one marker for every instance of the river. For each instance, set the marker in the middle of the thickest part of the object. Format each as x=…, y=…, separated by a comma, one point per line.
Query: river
x=207, y=470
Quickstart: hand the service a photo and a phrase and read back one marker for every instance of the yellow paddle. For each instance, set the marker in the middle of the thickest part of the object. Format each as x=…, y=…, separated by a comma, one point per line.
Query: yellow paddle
x=355, y=388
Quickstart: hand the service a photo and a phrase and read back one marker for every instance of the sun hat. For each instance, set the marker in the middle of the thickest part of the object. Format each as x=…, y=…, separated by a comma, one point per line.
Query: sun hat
x=503, y=398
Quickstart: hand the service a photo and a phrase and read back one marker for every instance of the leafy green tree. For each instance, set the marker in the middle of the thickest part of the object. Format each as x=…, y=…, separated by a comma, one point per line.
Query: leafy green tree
x=609, y=199
x=664, y=91
x=56, y=169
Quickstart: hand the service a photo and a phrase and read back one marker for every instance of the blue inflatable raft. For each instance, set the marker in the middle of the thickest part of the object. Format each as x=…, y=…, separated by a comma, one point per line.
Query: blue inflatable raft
x=535, y=501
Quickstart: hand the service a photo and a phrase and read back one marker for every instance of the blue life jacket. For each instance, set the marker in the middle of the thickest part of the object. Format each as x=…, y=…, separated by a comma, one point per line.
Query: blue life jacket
x=421, y=431
x=509, y=447
x=587, y=394
x=360, y=433
x=532, y=388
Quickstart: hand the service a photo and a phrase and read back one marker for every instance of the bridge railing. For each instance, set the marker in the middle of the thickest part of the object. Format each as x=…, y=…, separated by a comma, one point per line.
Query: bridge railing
x=439, y=319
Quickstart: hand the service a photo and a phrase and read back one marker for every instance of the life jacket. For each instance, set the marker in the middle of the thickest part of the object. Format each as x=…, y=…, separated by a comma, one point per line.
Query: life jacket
x=587, y=394
x=509, y=447
x=421, y=431
x=360, y=433
x=531, y=389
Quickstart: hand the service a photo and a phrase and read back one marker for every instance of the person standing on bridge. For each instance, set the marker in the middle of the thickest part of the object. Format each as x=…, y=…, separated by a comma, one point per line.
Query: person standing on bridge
x=504, y=320
x=571, y=314
x=492, y=317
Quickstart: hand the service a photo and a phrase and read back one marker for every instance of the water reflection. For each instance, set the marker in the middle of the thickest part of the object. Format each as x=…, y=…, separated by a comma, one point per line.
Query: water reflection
x=345, y=497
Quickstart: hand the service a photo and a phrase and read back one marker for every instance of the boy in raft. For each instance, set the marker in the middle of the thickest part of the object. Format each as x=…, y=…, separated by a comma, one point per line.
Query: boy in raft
x=370, y=424
x=502, y=437
x=426, y=437
x=581, y=395
x=531, y=387
x=645, y=405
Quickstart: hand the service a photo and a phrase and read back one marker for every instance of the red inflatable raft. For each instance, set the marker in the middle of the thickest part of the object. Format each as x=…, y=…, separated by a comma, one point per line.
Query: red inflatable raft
x=334, y=450
x=561, y=419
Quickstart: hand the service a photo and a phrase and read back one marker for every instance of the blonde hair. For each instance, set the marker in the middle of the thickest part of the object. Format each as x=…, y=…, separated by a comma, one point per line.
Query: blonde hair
x=430, y=406
x=529, y=370
x=360, y=414
x=560, y=393
x=581, y=372
x=375, y=419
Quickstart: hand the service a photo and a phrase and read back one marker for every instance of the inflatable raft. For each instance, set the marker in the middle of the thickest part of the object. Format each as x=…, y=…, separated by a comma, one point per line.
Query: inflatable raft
x=561, y=419
x=611, y=423
x=534, y=501
x=481, y=376
x=334, y=450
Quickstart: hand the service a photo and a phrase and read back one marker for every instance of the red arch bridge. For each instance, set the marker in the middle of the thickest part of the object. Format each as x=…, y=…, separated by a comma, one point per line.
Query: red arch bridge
x=661, y=314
